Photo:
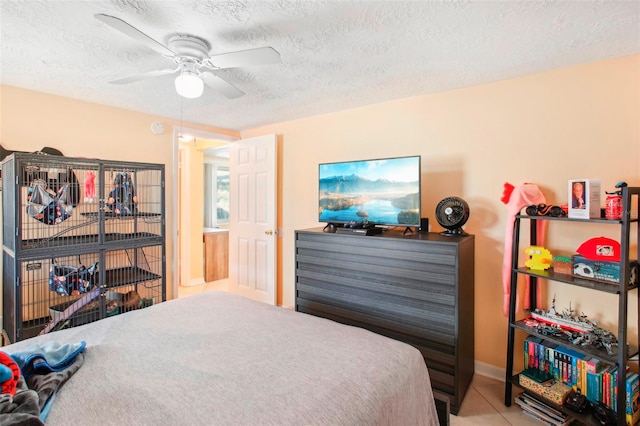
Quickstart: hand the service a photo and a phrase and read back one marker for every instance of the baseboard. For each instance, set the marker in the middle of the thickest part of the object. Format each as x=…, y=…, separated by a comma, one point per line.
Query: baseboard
x=489, y=370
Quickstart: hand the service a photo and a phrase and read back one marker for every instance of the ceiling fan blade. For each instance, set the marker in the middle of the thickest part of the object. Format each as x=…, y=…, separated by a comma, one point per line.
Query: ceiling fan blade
x=221, y=85
x=245, y=58
x=148, y=74
x=134, y=33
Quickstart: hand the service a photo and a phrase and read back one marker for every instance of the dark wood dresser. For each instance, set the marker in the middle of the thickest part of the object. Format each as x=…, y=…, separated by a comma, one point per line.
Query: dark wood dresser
x=417, y=288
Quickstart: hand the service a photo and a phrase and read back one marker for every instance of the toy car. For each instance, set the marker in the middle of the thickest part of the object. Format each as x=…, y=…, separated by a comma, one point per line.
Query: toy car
x=546, y=330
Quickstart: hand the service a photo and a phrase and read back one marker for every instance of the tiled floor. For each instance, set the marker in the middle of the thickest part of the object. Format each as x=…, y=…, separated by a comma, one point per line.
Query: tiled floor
x=213, y=285
x=483, y=404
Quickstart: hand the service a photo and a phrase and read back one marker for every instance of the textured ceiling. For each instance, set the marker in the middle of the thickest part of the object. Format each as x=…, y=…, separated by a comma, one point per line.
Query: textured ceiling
x=335, y=54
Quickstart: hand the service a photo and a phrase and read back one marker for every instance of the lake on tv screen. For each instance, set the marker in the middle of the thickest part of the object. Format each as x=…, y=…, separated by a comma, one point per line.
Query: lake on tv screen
x=379, y=211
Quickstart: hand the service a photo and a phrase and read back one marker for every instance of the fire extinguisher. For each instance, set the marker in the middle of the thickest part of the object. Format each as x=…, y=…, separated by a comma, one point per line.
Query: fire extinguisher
x=613, y=207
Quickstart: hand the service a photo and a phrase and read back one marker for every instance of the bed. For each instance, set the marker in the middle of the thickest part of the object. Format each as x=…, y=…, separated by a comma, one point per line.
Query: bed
x=215, y=358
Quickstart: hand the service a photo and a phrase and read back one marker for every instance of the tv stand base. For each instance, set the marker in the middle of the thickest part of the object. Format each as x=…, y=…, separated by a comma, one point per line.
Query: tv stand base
x=331, y=227
x=373, y=230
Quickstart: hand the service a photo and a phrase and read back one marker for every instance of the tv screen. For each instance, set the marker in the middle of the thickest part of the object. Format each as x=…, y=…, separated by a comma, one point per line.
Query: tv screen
x=381, y=192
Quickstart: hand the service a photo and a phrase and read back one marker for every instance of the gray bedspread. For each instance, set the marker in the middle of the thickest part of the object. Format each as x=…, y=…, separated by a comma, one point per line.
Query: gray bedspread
x=219, y=359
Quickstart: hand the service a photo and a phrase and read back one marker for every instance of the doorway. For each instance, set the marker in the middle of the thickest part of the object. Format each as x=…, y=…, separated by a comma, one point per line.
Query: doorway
x=189, y=153
x=216, y=215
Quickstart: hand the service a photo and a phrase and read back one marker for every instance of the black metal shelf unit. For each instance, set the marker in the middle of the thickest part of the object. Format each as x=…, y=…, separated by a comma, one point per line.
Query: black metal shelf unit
x=61, y=213
x=631, y=207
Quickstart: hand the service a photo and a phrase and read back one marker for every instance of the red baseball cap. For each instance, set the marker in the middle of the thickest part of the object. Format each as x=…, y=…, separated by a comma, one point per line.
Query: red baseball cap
x=600, y=248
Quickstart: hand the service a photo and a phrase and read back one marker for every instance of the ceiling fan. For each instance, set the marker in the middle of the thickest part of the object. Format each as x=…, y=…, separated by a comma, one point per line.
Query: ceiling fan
x=195, y=67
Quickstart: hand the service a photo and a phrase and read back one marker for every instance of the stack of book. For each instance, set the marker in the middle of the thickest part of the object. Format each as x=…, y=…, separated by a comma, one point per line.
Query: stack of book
x=542, y=412
x=595, y=379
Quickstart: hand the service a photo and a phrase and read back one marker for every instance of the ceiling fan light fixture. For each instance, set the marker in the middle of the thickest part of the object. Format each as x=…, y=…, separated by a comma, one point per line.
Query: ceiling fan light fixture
x=189, y=84
x=195, y=65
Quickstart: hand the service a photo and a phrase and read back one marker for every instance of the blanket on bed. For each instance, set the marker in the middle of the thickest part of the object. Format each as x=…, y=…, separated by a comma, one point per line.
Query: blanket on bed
x=51, y=356
x=44, y=369
x=21, y=408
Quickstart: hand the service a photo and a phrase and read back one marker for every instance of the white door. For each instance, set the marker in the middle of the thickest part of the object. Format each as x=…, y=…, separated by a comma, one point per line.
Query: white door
x=252, y=218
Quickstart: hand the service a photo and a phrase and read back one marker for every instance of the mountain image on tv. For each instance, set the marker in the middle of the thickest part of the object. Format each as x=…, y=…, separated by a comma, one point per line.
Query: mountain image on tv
x=385, y=192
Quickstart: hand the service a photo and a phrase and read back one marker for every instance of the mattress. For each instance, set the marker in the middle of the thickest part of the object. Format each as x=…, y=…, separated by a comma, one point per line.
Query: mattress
x=219, y=359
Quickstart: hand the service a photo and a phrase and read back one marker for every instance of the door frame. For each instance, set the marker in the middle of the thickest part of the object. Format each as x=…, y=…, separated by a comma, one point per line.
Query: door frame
x=196, y=133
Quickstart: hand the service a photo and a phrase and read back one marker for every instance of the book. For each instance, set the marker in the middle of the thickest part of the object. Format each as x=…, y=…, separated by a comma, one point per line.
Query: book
x=613, y=396
x=581, y=385
x=560, y=363
x=575, y=357
x=607, y=381
x=549, y=357
x=531, y=344
x=612, y=388
x=593, y=364
x=595, y=386
x=633, y=399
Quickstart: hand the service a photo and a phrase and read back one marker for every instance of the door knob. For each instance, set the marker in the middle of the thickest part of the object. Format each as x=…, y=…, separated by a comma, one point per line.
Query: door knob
x=269, y=232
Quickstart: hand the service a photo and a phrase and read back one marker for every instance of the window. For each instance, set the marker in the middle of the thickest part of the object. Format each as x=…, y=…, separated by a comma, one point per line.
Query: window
x=216, y=195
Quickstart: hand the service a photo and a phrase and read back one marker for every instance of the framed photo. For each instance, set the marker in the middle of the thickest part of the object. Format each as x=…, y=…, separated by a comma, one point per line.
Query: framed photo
x=584, y=198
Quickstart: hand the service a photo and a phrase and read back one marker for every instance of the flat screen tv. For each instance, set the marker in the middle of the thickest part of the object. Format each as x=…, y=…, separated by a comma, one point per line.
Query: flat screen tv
x=379, y=192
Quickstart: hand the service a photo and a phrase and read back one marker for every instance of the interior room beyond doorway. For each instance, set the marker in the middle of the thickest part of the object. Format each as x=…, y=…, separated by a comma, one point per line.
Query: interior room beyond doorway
x=203, y=212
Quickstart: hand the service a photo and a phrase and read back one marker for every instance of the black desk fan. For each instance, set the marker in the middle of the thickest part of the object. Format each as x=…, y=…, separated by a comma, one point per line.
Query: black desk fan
x=451, y=214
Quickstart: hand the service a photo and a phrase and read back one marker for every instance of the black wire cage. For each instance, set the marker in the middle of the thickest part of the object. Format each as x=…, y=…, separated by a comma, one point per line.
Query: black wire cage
x=83, y=239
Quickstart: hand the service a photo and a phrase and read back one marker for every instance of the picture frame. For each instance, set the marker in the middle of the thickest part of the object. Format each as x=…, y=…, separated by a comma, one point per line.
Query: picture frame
x=583, y=198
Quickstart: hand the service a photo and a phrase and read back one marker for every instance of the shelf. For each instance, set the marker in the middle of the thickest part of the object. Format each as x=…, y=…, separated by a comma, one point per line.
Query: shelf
x=584, y=418
x=59, y=241
x=73, y=240
x=606, y=286
x=128, y=276
x=114, y=277
x=128, y=236
x=31, y=328
x=91, y=311
x=567, y=219
x=112, y=215
x=597, y=352
x=620, y=356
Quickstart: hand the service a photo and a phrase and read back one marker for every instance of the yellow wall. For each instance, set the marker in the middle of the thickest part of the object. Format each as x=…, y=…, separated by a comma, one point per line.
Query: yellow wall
x=32, y=120
x=195, y=213
x=578, y=122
